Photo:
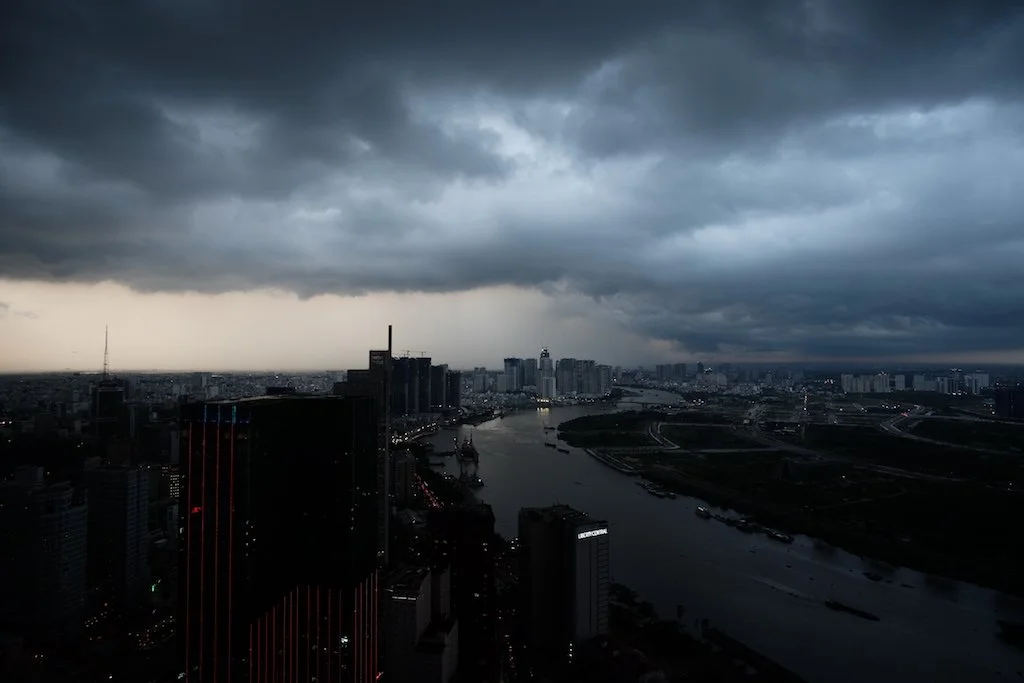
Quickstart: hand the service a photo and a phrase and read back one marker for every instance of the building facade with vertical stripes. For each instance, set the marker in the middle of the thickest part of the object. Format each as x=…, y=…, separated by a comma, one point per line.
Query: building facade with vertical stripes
x=279, y=565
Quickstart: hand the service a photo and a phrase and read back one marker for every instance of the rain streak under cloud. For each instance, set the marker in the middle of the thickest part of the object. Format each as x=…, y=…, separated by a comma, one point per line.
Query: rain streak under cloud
x=819, y=179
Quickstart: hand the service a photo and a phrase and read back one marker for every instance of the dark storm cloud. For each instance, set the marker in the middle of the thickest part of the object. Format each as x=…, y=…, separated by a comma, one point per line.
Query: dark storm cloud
x=826, y=178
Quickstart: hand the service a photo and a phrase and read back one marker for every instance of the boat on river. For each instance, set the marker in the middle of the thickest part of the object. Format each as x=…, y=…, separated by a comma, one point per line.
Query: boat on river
x=549, y=444
x=841, y=607
x=702, y=512
x=778, y=536
x=563, y=450
x=654, y=489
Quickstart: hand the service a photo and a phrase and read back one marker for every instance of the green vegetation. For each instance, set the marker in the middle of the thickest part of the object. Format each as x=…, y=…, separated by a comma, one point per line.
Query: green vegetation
x=869, y=444
x=700, y=417
x=629, y=420
x=608, y=430
x=698, y=438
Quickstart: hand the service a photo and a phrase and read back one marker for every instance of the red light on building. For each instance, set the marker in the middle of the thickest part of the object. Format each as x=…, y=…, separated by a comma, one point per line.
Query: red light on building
x=196, y=510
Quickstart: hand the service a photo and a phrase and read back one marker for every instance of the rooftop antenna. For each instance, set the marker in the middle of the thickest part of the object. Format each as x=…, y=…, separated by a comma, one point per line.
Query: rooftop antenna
x=106, y=352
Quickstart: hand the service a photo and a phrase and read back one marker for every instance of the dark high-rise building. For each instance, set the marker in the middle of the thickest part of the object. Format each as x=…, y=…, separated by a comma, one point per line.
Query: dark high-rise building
x=107, y=409
x=679, y=372
x=565, y=376
x=453, y=393
x=563, y=579
x=279, y=572
x=420, y=634
x=421, y=370
x=118, y=535
x=438, y=386
x=380, y=372
x=410, y=386
x=465, y=538
x=530, y=372
x=1009, y=402
x=42, y=558
x=514, y=374
x=402, y=383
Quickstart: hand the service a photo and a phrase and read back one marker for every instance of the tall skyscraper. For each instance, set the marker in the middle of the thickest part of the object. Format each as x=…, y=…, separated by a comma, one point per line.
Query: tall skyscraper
x=118, y=535
x=565, y=376
x=279, y=571
x=604, y=379
x=513, y=374
x=421, y=369
x=546, y=372
x=107, y=409
x=407, y=614
x=43, y=562
x=453, y=393
x=530, y=372
x=466, y=535
x=438, y=387
x=564, y=580
x=381, y=369
x=403, y=393
x=421, y=635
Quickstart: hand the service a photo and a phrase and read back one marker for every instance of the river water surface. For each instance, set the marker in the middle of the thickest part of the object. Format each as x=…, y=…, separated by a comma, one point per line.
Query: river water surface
x=768, y=595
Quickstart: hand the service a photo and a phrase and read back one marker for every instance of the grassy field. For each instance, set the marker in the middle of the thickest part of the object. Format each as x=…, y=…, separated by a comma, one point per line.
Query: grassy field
x=990, y=435
x=872, y=445
x=610, y=430
x=699, y=438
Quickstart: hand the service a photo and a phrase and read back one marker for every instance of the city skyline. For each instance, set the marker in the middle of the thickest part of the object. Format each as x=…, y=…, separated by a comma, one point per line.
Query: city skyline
x=678, y=182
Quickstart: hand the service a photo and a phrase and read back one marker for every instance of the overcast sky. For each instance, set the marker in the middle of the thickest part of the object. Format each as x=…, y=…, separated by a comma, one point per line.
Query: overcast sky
x=256, y=184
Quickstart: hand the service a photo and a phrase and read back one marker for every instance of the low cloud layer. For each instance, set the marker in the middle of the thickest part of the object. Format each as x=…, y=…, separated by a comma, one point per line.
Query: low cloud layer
x=817, y=178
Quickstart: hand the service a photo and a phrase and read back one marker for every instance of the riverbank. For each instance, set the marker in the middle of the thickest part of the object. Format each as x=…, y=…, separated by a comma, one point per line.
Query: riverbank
x=848, y=538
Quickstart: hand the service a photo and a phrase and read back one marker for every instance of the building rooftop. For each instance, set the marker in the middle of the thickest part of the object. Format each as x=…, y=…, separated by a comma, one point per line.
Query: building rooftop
x=407, y=580
x=557, y=512
x=437, y=636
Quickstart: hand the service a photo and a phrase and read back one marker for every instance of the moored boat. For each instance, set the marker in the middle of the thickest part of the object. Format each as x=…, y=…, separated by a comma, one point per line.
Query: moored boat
x=841, y=607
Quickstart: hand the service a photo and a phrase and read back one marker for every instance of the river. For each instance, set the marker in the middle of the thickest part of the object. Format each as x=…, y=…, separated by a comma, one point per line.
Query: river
x=768, y=595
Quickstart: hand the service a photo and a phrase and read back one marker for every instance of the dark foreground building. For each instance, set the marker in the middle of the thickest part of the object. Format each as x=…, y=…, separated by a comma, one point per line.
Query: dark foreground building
x=279, y=576
x=1009, y=402
x=563, y=580
x=464, y=537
